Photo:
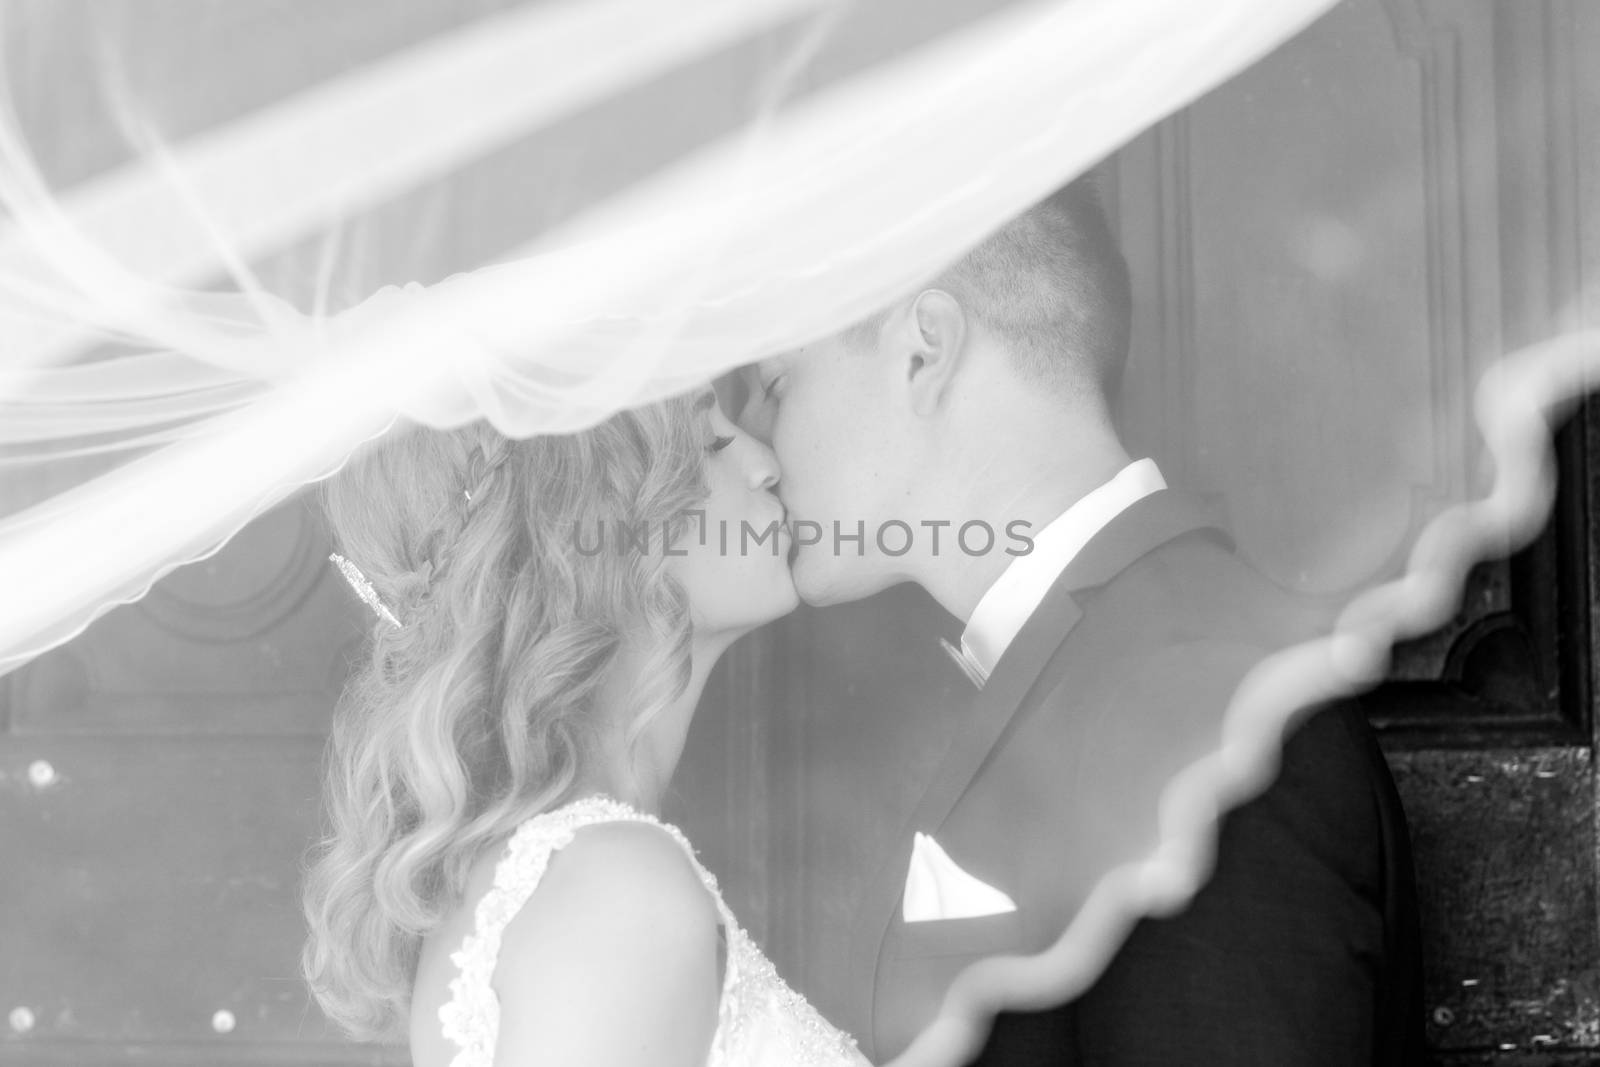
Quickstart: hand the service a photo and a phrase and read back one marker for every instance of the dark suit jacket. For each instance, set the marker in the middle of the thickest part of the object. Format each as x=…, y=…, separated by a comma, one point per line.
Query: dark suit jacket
x=1300, y=949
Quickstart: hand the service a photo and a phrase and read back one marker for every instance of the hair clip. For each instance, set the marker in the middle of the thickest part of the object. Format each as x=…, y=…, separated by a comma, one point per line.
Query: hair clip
x=363, y=588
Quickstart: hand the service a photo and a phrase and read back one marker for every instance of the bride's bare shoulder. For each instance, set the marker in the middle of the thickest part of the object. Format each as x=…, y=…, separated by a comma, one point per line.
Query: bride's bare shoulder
x=616, y=875
x=620, y=910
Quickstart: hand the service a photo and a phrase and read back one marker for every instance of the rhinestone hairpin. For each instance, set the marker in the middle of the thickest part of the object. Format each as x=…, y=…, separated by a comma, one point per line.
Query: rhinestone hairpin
x=363, y=588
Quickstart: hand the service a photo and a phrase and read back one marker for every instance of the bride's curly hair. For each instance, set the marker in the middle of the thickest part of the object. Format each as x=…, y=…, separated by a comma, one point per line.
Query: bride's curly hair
x=475, y=712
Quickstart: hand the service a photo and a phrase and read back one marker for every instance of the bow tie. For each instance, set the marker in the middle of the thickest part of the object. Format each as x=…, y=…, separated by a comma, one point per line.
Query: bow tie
x=967, y=662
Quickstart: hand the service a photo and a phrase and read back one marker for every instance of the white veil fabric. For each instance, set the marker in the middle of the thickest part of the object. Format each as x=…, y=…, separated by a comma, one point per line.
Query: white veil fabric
x=157, y=384
x=756, y=243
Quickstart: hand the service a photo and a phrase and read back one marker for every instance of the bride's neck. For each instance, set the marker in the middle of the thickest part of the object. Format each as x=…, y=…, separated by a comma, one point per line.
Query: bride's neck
x=642, y=772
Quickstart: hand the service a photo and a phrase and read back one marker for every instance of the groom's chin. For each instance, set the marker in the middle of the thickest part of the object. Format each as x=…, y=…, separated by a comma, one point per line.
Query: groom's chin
x=824, y=580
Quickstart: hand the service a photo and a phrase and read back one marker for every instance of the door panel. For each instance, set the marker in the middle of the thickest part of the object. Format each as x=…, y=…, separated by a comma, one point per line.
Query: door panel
x=158, y=793
x=1330, y=249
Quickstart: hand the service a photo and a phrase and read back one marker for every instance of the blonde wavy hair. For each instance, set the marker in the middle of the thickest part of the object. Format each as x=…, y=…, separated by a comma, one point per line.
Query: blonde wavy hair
x=477, y=711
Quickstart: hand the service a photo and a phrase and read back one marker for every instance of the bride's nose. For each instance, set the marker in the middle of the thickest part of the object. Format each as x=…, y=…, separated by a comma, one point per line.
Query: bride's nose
x=762, y=465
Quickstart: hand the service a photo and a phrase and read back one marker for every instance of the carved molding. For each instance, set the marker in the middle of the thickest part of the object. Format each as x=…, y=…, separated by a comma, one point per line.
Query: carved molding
x=1514, y=666
x=1455, y=323
x=185, y=604
x=261, y=646
x=1175, y=280
x=1436, y=50
x=1498, y=193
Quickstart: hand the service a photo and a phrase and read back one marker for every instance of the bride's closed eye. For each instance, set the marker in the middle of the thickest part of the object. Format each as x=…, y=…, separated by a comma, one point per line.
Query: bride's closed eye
x=719, y=443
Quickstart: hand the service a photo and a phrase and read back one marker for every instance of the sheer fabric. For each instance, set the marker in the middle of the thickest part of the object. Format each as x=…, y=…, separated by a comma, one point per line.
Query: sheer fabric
x=754, y=244
x=143, y=421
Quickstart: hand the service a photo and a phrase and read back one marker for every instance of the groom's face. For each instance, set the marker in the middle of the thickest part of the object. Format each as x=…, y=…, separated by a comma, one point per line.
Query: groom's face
x=828, y=412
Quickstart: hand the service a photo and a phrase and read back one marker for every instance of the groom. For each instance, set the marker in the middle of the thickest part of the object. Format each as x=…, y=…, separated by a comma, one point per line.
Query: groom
x=1101, y=650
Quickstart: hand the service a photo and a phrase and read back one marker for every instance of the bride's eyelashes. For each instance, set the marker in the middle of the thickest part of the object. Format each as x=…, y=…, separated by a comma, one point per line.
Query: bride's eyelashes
x=719, y=443
x=770, y=390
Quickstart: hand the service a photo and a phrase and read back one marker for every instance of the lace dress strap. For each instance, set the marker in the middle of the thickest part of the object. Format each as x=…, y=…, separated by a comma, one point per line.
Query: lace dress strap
x=471, y=1018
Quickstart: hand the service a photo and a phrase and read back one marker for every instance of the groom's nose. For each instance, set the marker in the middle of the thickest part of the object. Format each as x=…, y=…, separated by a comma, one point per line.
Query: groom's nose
x=756, y=420
x=756, y=417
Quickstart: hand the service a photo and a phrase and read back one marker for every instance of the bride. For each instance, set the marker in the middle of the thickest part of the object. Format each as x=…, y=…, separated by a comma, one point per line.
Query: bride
x=494, y=882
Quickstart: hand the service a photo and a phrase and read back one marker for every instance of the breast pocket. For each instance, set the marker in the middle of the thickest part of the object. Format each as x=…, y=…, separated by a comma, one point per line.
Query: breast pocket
x=987, y=935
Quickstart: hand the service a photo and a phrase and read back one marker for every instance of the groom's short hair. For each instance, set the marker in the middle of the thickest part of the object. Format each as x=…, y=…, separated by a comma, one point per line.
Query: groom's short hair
x=1053, y=285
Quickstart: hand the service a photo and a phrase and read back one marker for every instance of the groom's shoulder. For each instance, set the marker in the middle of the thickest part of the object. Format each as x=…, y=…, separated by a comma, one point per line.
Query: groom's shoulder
x=1165, y=644
x=1196, y=589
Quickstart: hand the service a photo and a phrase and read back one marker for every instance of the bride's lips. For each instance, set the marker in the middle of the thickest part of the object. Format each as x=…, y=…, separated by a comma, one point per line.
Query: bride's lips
x=794, y=545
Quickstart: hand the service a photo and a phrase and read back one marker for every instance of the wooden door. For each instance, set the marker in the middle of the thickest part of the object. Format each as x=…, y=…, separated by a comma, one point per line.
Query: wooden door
x=158, y=787
x=1331, y=248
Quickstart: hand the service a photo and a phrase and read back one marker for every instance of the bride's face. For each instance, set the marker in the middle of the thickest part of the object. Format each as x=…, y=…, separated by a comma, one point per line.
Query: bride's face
x=735, y=557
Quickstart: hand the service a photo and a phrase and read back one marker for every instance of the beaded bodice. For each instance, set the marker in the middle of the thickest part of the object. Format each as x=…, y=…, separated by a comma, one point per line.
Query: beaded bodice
x=761, y=1021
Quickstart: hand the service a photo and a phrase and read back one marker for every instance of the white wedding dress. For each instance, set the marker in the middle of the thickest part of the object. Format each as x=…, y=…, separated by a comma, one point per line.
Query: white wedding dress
x=761, y=1022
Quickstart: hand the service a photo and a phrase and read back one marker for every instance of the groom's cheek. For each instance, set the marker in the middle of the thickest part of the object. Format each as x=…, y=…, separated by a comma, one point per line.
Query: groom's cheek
x=756, y=418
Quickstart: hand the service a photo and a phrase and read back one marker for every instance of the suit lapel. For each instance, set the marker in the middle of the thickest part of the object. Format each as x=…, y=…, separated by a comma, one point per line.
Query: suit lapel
x=993, y=708
x=1142, y=528
x=1149, y=523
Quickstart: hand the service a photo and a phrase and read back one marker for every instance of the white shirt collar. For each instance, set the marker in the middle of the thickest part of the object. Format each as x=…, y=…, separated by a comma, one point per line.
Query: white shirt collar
x=1008, y=603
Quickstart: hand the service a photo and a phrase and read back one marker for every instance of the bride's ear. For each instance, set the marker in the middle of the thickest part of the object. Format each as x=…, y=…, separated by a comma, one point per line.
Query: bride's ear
x=934, y=335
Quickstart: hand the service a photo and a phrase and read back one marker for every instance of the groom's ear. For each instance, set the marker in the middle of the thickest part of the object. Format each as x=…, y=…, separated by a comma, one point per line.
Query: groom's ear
x=935, y=334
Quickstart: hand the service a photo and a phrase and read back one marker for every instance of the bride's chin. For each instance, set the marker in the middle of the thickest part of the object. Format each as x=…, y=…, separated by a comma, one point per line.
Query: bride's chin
x=767, y=609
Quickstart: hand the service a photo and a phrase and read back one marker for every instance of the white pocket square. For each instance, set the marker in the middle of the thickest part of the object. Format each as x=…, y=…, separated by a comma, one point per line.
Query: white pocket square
x=938, y=889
